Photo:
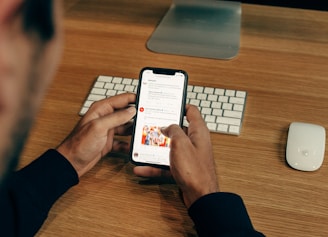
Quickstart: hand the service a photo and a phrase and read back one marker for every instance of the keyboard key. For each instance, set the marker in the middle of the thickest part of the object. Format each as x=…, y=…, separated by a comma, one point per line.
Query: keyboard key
x=229, y=121
x=206, y=111
x=194, y=102
x=84, y=110
x=216, y=105
x=211, y=126
x=201, y=96
x=129, y=88
x=135, y=82
x=191, y=95
x=111, y=92
x=98, y=91
x=212, y=97
x=210, y=118
x=109, y=85
x=99, y=84
x=118, y=87
x=88, y=103
x=105, y=79
x=219, y=91
x=234, y=129
x=241, y=94
x=217, y=112
x=235, y=100
x=222, y=128
x=205, y=103
x=127, y=81
x=227, y=106
x=95, y=97
x=223, y=98
x=230, y=93
x=232, y=114
x=117, y=80
x=198, y=89
x=237, y=107
x=209, y=90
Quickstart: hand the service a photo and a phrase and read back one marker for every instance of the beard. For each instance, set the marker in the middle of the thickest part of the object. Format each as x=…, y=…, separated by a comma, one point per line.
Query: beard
x=10, y=156
x=29, y=103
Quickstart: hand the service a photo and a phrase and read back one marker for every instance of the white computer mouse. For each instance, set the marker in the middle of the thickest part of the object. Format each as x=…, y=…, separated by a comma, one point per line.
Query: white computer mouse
x=305, y=146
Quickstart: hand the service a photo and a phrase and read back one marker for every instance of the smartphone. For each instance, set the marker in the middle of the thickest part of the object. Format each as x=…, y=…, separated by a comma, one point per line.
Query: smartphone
x=161, y=98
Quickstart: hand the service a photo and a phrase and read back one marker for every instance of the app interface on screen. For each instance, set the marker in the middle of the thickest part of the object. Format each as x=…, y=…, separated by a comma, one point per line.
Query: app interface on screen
x=159, y=106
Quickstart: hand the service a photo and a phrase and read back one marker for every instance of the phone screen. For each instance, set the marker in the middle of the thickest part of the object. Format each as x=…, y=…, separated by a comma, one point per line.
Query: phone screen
x=160, y=103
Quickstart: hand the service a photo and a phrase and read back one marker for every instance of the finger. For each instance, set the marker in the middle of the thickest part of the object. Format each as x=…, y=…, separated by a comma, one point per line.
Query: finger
x=109, y=105
x=151, y=172
x=125, y=129
x=121, y=147
x=173, y=131
x=179, y=140
x=193, y=115
x=197, y=129
x=122, y=100
x=116, y=119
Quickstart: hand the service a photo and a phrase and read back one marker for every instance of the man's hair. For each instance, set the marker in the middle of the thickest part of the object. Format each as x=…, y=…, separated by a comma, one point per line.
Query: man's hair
x=38, y=18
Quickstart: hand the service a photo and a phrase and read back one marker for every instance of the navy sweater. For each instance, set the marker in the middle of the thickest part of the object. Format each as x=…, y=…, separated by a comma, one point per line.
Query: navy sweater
x=28, y=195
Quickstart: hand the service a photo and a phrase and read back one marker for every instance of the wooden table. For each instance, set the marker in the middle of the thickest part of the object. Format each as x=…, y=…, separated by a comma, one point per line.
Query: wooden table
x=282, y=65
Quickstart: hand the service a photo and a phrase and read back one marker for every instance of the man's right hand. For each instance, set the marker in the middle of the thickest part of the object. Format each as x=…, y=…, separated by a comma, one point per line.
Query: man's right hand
x=191, y=159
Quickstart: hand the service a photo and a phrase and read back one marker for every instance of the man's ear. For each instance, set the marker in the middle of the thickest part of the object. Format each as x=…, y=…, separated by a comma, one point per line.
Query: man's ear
x=8, y=9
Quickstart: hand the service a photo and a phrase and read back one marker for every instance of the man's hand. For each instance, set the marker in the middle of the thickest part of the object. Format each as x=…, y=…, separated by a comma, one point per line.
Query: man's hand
x=191, y=159
x=93, y=137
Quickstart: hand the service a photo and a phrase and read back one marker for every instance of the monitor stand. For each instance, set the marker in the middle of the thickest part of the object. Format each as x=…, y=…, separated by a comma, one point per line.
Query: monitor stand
x=200, y=28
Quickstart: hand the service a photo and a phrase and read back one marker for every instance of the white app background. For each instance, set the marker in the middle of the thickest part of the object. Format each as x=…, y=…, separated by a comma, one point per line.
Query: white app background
x=159, y=106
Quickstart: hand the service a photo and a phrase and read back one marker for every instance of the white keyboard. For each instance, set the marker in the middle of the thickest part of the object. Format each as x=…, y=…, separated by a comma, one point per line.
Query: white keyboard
x=222, y=109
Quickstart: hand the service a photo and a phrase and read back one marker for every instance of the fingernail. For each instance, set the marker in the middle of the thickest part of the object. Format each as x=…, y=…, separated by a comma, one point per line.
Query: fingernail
x=131, y=110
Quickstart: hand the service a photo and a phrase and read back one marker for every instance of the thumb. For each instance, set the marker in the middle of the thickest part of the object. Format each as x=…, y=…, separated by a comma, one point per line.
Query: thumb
x=173, y=131
x=179, y=140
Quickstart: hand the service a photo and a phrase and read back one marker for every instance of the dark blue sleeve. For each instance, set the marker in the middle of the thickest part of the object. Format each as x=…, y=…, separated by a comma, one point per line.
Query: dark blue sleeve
x=28, y=194
x=222, y=214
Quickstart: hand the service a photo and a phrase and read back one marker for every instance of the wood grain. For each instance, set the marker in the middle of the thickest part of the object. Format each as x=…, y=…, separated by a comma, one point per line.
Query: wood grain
x=282, y=64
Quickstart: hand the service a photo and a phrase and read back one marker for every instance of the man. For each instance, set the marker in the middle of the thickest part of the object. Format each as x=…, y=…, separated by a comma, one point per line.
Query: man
x=30, y=45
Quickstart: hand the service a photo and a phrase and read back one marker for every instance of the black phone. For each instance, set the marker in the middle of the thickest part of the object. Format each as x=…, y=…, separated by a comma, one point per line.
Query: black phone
x=161, y=98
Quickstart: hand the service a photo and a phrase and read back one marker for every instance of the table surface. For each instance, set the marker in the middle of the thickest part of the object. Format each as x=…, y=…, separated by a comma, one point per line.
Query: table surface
x=282, y=64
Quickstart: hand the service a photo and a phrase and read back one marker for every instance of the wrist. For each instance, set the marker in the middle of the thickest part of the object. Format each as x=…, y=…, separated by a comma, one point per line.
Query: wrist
x=191, y=197
x=78, y=167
